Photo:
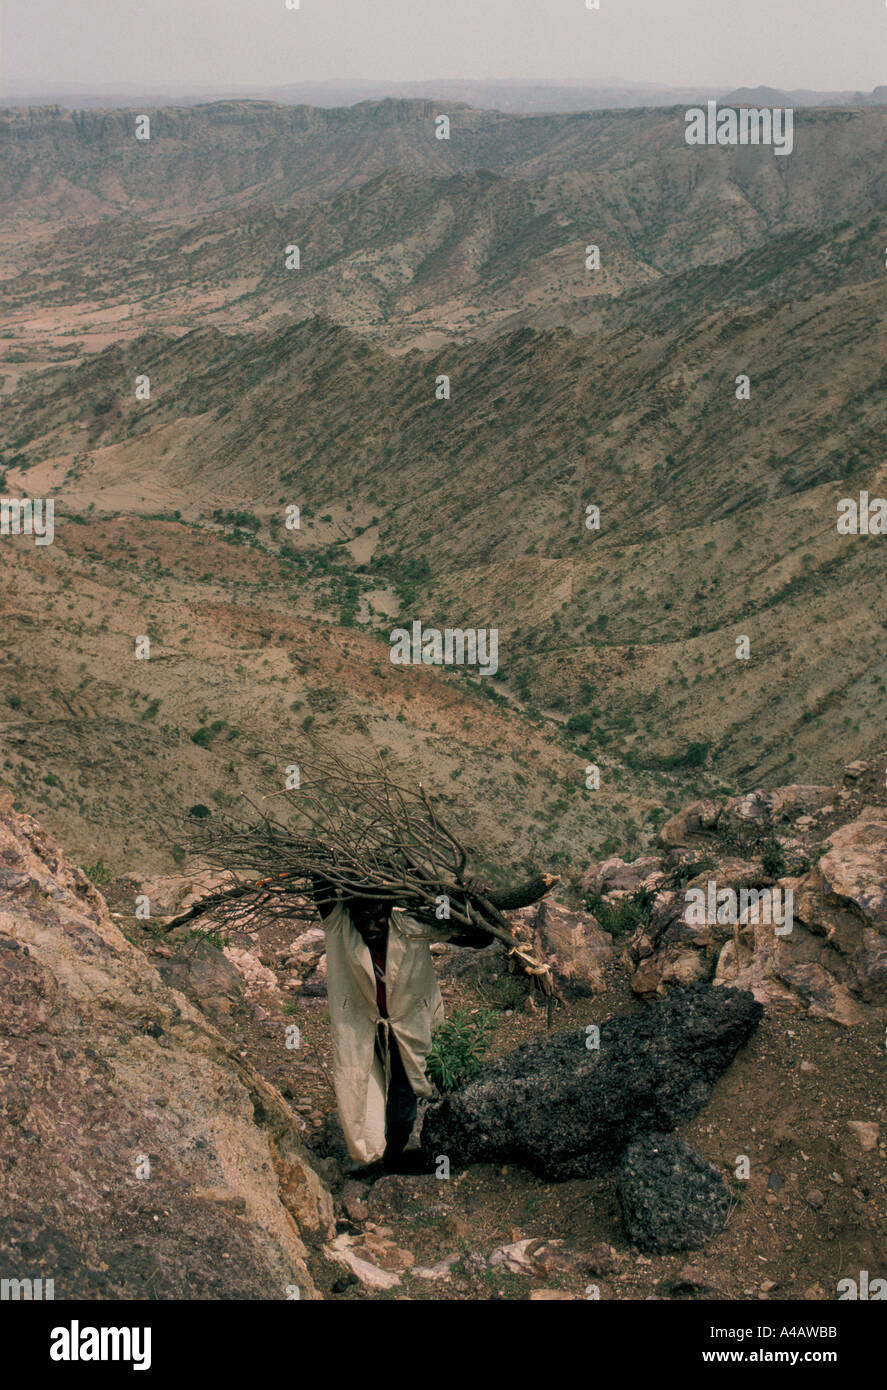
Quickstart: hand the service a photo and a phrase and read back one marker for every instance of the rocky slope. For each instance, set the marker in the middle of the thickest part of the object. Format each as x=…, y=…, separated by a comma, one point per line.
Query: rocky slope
x=108, y=1065
x=142, y=1156
x=824, y=846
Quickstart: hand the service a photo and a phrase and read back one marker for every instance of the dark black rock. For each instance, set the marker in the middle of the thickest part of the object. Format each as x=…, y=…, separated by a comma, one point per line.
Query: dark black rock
x=671, y=1197
x=566, y=1112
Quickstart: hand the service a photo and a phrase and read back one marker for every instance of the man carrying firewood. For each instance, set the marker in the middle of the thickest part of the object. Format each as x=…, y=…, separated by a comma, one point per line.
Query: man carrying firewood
x=384, y=1003
x=387, y=878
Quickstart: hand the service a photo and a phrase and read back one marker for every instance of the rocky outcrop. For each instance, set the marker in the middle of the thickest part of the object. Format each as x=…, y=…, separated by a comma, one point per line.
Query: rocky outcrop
x=825, y=845
x=567, y=1109
x=142, y=1158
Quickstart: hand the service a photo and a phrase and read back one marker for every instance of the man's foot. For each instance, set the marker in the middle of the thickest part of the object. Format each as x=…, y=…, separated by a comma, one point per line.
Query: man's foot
x=409, y=1161
x=365, y=1172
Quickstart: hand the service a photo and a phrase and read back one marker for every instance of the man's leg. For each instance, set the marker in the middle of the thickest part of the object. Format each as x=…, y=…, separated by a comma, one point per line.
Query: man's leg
x=400, y=1111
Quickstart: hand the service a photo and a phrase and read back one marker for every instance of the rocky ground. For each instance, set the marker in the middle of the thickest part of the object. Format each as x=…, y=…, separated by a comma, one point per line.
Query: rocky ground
x=137, y=1035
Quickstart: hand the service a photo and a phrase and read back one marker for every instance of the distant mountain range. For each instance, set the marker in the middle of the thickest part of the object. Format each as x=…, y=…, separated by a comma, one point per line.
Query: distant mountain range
x=528, y=96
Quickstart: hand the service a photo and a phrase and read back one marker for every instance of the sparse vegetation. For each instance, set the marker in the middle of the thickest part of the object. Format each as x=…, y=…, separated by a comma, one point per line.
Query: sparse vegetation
x=459, y=1047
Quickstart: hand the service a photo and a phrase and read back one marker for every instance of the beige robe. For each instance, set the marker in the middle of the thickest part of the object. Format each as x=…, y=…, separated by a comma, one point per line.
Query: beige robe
x=414, y=1009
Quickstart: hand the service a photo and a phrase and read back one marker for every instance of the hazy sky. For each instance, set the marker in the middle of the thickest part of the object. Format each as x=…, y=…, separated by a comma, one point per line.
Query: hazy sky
x=825, y=44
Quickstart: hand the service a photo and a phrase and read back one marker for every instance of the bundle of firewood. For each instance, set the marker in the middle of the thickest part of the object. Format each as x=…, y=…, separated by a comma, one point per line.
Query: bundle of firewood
x=354, y=826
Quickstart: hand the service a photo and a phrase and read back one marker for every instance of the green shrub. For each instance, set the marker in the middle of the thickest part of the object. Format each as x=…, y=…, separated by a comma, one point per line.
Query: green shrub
x=505, y=992
x=772, y=858
x=458, y=1048
x=98, y=872
x=204, y=737
x=579, y=724
x=624, y=914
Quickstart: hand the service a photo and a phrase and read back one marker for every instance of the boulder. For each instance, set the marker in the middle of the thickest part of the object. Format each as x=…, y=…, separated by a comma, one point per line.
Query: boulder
x=575, y=948
x=671, y=1197
x=143, y=1158
x=202, y=972
x=614, y=875
x=699, y=818
x=671, y=965
x=798, y=971
x=853, y=871
x=567, y=1110
x=758, y=813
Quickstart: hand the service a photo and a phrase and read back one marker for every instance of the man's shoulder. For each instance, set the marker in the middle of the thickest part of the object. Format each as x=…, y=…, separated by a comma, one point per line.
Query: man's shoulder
x=410, y=927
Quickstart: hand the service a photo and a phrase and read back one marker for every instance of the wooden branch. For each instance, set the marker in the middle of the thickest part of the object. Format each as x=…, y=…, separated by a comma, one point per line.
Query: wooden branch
x=524, y=894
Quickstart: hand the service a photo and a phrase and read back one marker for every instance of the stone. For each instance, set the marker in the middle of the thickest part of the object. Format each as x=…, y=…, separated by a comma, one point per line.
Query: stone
x=256, y=977
x=699, y=818
x=694, y=1279
x=671, y=1197
x=615, y=875
x=575, y=948
x=516, y=1258
x=441, y=1270
x=602, y=1259
x=376, y=1262
x=854, y=868
x=672, y=965
x=202, y=972
x=853, y=771
x=565, y=1111
x=866, y=1132
x=798, y=971
x=353, y=1199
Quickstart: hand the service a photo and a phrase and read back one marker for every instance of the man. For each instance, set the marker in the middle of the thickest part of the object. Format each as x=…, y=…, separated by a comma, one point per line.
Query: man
x=384, y=1003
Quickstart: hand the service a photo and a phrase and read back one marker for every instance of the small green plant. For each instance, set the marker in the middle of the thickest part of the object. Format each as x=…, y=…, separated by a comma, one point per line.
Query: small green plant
x=214, y=936
x=579, y=724
x=98, y=873
x=458, y=1048
x=505, y=992
x=772, y=858
x=623, y=915
x=682, y=873
x=204, y=736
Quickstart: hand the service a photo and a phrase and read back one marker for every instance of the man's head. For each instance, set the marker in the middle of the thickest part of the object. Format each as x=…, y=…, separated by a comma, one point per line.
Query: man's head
x=370, y=916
